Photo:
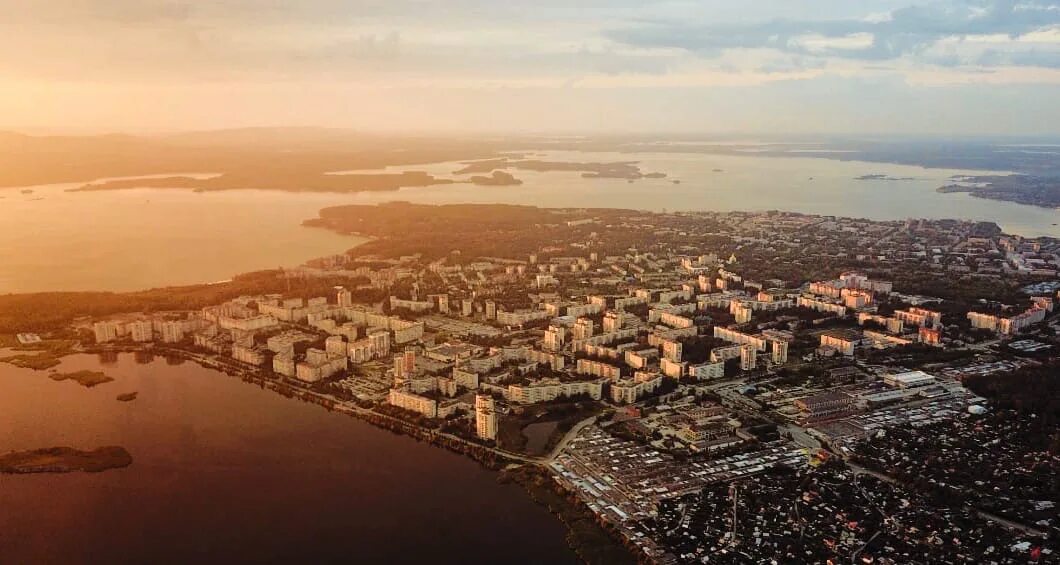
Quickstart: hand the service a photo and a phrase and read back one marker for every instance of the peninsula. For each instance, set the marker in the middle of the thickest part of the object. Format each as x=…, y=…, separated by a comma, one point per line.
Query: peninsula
x=1023, y=189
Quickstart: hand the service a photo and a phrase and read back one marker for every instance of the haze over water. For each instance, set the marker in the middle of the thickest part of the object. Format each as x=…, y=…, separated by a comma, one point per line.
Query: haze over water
x=144, y=238
x=798, y=184
x=138, y=239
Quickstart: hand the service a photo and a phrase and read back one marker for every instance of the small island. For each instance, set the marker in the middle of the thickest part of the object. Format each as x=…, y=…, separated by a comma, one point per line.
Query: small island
x=629, y=170
x=127, y=396
x=878, y=176
x=64, y=460
x=498, y=178
x=87, y=379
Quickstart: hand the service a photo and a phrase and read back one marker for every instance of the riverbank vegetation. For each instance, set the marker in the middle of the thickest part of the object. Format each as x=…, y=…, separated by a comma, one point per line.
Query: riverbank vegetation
x=594, y=542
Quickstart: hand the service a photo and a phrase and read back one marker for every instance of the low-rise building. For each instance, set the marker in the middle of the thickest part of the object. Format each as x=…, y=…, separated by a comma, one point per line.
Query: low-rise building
x=824, y=405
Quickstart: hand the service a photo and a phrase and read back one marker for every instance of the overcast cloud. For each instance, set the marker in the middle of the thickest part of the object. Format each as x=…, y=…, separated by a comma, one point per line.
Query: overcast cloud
x=981, y=51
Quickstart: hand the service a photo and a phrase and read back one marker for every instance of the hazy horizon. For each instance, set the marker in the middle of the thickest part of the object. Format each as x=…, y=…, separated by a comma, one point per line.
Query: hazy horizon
x=875, y=67
x=749, y=137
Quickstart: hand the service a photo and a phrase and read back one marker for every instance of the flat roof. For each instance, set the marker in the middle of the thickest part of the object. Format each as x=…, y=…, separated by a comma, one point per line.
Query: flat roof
x=911, y=376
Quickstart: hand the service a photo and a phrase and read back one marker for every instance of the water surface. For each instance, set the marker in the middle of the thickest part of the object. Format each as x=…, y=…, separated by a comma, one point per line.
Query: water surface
x=135, y=239
x=744, y=182
x=224, y=471
x=141, y=238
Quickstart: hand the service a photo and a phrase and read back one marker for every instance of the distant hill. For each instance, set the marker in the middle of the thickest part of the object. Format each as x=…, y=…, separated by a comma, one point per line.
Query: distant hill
x=254, y=156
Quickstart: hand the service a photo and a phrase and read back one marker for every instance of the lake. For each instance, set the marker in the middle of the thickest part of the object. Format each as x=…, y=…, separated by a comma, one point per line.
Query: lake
x=801, y=184
x=51, y=239
x=142, y=238
x=224, y=471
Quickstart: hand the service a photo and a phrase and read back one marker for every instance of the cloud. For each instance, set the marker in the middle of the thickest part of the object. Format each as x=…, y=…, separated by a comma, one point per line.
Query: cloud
x=903, y=32
x=484, y=42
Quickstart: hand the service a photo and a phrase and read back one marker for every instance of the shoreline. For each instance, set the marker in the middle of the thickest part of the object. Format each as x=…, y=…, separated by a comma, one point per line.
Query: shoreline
x=560, y=502
x=363, y=239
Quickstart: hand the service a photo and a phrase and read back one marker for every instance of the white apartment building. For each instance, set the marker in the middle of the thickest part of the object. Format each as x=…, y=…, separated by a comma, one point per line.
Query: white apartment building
x=843, y=342
x=597, y=369
x=555, y=336
x=919, y=317
x=583, y=329
x=778, y=352
x=613, y=321
x=740, y=338
x=283, y=364
x=414, y=402
x=672, y=369
x=248, y=354
x=140, y=331
x=106, y=331
x=411, y=305
x=742, y=314
x=485, y=417
x=822, y=306
x=172, y=332
x=672, y=350
x=521, y=317
x=627, y=391
x=748, y=357
x=707, y=371
x=545, y=390
x=249, y=324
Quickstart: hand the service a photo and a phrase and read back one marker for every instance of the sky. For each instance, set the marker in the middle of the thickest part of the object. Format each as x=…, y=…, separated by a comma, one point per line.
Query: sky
x=786, y=67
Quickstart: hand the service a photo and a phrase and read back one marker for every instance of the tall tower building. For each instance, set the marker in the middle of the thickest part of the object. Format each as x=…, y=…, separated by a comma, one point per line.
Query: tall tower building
x=748, y=357
x=343, y=297
x=742, y=313
x=779, y=351
x=485, y=417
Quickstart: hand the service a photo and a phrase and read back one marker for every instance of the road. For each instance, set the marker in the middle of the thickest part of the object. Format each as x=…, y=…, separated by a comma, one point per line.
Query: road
x=567, y=437
x=799, y=436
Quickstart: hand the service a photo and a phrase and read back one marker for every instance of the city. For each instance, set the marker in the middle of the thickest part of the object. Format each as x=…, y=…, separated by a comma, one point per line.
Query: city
x=609, y=282
x=666, y=370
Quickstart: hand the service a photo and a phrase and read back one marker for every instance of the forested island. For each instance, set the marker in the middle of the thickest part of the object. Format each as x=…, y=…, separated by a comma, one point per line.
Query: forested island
x=65, y=460
x=629, y=170
x=87, y=379
x=498, y=178
x=879, y=176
